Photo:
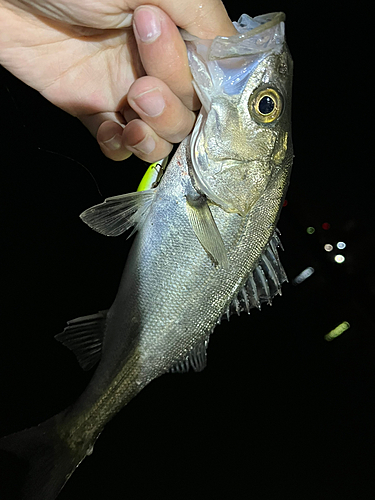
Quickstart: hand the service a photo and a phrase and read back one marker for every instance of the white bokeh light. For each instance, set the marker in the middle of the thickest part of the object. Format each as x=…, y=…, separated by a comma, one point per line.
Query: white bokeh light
x=339, y=259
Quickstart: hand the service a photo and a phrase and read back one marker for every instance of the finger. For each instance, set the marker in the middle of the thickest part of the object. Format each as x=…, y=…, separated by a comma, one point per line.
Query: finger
x=109, y=138
x=154, y=102
x=206, y=19
x=108, y=127
x=163, y=52
x=140, y=139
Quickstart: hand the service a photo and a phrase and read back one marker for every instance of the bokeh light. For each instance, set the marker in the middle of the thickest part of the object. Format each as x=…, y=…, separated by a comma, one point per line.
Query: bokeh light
x=341, y=328
x=339, y=258
x=326, y=226
x=306, y=273
x=341, y=245
x=328, y=247
x=310, y=230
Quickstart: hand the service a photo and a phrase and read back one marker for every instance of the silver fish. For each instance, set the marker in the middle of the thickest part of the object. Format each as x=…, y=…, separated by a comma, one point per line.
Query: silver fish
x=206, y=244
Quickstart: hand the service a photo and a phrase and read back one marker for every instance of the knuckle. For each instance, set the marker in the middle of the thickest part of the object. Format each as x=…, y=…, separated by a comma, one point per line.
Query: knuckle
x=143, y=84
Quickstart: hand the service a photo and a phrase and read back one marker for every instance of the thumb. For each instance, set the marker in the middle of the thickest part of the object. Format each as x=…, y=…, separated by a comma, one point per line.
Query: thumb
x=201, y=18
x=205, y=19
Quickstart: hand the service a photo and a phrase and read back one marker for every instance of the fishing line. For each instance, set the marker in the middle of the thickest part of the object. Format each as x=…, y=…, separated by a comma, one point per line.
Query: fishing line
x=25, y=128
x=75, y=161
x=3, y=83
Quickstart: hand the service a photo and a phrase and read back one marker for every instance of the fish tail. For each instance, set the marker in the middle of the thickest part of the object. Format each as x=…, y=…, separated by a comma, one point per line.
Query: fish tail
x=38, y=461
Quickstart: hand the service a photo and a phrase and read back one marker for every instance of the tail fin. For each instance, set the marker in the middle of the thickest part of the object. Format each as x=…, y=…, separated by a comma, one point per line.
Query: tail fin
x=43, y=459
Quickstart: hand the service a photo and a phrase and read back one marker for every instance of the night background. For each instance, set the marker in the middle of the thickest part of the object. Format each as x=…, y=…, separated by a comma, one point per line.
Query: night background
x=279, y=411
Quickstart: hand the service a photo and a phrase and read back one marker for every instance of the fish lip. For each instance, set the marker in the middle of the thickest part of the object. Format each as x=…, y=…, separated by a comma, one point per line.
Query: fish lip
x=276, y=18
x=214, y=52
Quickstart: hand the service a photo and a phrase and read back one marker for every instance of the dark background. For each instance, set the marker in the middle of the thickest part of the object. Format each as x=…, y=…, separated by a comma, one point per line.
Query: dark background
x=279, y=412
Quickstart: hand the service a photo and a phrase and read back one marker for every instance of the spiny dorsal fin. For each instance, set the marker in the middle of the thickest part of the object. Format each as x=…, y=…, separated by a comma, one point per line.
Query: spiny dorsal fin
x=196, y=359
x=205, y=229
x=84, y=336
x=119, y=213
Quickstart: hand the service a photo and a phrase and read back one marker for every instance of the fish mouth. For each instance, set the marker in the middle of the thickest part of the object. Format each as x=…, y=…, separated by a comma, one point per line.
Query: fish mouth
x=248, y=28
x=270, y=19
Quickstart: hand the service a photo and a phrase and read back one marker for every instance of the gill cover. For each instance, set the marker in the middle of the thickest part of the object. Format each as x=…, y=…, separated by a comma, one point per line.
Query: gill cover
x=241, y=82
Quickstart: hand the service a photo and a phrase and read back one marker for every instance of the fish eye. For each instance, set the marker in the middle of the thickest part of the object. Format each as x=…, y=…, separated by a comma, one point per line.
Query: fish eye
x=266, y=105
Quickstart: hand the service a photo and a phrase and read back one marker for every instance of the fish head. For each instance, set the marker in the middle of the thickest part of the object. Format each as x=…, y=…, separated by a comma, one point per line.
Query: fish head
x=242, y=136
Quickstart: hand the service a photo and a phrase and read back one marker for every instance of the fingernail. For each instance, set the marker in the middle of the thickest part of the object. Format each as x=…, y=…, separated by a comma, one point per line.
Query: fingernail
x=147, y=24
x=146, y=146
x=113, y=143
x=151, y=102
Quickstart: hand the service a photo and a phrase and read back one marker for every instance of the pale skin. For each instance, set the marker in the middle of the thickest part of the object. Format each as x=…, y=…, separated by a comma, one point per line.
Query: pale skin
x=119, y=66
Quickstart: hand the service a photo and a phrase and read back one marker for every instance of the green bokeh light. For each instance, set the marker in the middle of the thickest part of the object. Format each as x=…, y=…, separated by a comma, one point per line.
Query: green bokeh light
x=341, y=328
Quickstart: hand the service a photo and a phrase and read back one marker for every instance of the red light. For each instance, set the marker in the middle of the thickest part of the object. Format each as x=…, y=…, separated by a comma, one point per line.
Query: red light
x=326, y=226
x=285, y=203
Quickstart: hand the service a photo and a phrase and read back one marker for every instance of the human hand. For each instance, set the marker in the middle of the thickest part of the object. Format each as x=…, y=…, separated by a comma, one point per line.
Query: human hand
x=84, y=57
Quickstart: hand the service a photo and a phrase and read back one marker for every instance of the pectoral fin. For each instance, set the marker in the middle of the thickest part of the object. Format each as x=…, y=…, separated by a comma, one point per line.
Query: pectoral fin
x=205, y=229
x=119, y=213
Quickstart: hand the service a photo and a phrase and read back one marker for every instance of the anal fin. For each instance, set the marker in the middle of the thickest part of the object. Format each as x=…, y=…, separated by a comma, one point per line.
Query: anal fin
x=196, y=359
x=263, y=283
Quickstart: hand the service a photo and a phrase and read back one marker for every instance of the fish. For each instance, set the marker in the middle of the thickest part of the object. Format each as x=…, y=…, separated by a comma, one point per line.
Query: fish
x=206, y=245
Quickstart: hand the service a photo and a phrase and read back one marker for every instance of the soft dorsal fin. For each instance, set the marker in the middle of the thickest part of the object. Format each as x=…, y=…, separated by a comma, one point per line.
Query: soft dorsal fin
x=84, y=336
x=196, y=359
x=205, y=229
x=119, y=213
